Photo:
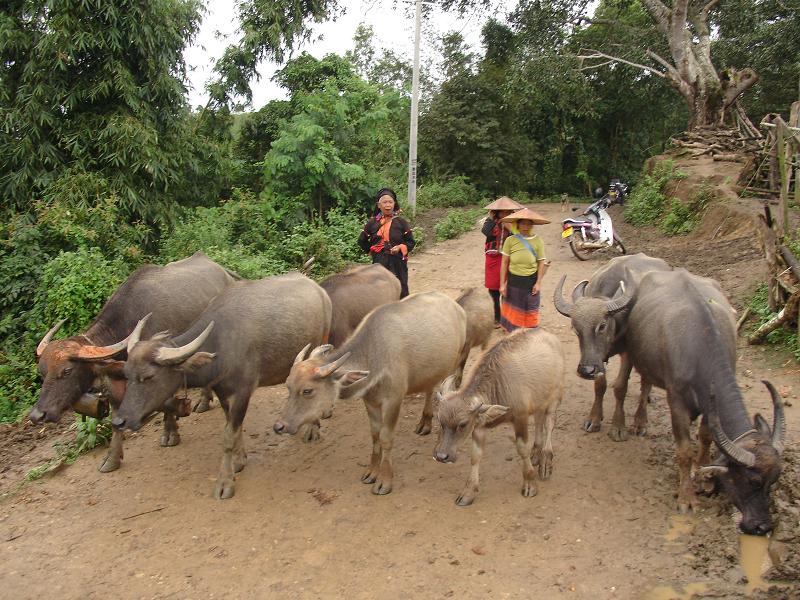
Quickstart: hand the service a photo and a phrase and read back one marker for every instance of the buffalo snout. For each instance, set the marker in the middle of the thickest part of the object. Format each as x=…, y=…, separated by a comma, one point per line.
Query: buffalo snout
x=281, y=427
x=118, y=422
x=443, y=456
x=588, y=371
x=37, y=416
x=755, y=528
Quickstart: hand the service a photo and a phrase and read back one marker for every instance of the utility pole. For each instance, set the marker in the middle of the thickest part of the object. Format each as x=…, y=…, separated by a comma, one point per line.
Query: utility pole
x=412, y=141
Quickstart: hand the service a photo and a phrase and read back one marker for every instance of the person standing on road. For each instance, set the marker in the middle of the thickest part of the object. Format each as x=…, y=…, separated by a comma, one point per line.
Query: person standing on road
x=522, y=269
x=388, y=238
x=496, y=233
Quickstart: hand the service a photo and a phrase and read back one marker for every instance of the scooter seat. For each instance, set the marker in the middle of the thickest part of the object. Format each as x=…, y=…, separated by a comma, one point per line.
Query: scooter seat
x=578, y=221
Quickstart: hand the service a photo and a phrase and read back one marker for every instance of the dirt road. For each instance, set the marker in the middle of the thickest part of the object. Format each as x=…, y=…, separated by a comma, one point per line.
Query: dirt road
x=301, y=524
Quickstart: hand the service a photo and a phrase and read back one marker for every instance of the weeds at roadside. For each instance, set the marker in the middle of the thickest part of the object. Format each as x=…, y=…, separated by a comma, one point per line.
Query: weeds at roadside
x=781, y=337
x=89, y=433
x=456, y=223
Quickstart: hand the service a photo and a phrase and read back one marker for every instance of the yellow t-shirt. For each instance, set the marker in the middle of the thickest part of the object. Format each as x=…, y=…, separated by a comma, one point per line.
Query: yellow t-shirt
x=520, y=260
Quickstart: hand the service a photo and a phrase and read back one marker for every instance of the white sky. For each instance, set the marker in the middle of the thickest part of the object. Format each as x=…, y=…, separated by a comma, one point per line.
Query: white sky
x=393, y=24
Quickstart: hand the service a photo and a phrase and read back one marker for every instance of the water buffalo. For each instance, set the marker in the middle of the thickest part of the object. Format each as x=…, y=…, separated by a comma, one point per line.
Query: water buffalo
x=680, y=335
x=354, y=293
x=591, y=298
x=521, y=375
x=175, y=293
x=480, y=322
x=401, y=348
x=246, y=338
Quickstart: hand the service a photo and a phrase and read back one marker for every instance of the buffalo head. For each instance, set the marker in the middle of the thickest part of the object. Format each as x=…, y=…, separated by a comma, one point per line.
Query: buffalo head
x=68, y=369
x=598, y=323
x=155, y=370
x=314, y=385
x=747, y=467
x=458, y=415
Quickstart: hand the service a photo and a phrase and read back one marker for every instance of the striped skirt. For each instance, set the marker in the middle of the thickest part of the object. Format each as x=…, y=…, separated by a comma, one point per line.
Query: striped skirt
x=520, y=309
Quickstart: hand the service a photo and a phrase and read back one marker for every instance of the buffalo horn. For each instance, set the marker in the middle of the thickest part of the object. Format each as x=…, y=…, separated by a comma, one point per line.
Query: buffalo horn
x=618, y=303
x=48, y=336
x=97, y=353
x=320, y=350
x=167, y=356
x=734, y=452
x=301, y=356
x=448, y=385
x=562, y=306
x=136, y=334
x=579, y=291
x=326, y=370
x=778, y=419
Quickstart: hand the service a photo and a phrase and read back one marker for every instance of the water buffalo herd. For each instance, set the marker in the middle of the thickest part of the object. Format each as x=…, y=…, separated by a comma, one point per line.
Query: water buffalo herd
x=194, y=324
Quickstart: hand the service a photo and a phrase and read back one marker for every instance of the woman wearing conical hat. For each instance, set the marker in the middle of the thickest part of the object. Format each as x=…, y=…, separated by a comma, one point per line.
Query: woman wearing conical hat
x=496, y=233
x=522, y=269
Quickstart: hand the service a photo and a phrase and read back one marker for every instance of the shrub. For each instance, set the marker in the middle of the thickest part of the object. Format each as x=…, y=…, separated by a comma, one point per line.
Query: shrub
x=456, y=222
x=683, y=218
x=782, y=336
x=455, y=192
x=647, y=201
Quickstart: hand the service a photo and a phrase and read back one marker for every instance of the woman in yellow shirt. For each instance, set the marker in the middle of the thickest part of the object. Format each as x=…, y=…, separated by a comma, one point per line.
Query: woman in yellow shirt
x=521, y=272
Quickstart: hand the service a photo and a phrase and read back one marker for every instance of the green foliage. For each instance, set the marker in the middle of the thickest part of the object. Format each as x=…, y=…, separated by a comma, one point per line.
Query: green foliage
x=456, y=223
x=89, y=433
x=646, y=202
x=683, y=218
x=452, y=193
x=782, y=337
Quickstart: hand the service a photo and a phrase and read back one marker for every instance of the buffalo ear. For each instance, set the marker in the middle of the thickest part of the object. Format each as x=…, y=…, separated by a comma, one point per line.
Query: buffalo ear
x=762, y=426
x=348, y=378
x=196, y=361
x=489, y=413
x=113, y=369
x=711, y=471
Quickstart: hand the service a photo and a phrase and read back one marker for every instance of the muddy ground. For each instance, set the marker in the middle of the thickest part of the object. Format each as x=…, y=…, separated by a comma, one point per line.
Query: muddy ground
x=302, y=525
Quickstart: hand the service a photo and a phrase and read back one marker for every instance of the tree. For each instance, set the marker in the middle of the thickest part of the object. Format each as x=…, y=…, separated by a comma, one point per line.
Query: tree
x=685, y=29
x=92, y=102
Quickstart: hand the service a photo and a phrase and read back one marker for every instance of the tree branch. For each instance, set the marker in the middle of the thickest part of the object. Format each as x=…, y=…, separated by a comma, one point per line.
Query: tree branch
x=659, y=13
x=596, y=54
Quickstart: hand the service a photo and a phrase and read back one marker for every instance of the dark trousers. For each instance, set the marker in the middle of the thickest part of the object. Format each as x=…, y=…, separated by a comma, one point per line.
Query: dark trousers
x=396, y=264
x=495, y=294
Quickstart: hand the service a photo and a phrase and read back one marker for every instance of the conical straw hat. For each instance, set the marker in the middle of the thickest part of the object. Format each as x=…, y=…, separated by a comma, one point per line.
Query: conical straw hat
x=504, y=203
x=528, y=214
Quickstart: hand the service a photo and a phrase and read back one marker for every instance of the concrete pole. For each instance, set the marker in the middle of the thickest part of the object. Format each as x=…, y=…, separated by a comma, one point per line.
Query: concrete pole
x=412, y=140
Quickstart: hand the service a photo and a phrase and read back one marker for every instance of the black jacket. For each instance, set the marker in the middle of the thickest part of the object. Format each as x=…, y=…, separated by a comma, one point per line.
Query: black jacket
x=399, y=233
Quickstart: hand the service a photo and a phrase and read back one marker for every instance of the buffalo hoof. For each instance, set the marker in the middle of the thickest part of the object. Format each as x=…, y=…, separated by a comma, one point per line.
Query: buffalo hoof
x=529, y=489
x=239, y=463
x=369, y=477
x=311, y=433
x=618, y=434
x=465, y=500
x=110, y=463
x=170, y=438
x=545, y=469
x=224, y=489
x=381, y=488
x=640, y=430
x=203, y=406
x=591, y=427
x=423, y=427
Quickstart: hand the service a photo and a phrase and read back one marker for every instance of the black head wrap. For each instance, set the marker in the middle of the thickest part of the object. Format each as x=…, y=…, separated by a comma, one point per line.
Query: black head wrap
x=387, y=192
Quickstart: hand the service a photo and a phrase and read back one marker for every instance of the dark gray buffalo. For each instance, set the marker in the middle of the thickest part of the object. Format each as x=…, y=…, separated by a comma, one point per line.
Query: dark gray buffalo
x=680, y=335
x=401, y=348
x=354, y=293
x=246, y=338
x=175, y=294
x=590, y=300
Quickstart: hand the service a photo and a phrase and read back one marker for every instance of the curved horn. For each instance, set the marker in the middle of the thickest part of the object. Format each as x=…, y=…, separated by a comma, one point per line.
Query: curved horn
x=136, y=334
x=93, y=353
x=301, y=356
x=326, y=370
x=448, y=385
x=734, y=452
x=579, y=291
x=321, y=350
x=778, y=419
x=617, y=304
x=562, y=306
x=48, y=336
x=168, y=356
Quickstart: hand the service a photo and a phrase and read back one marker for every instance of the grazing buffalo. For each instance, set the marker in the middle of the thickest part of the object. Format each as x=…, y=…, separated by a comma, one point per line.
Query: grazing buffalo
x=591, y=300
x=680, y=335
x=480, y=322
x=521, y=375
x=354, y=294
x=246, y=338
x=175, y=294
x=401, y=348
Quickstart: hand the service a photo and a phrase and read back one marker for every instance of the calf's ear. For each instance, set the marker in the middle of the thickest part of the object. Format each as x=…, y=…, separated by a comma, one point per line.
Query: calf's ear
x=488, y=413
x=196, y=360
x=113, y=369
x=349, y=378
x=762, y=426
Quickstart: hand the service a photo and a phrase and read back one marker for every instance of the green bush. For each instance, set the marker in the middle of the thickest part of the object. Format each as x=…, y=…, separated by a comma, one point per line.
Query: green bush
x=647, y=202
x=453, y=193
x=683, y=218
x=456, y=222
x=782, y=337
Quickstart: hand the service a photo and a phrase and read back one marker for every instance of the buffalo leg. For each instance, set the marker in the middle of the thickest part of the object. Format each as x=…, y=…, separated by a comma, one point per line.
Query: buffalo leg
x=640, y=418
x=596, y=414
x=170, y=436
x=374, y=413
x=524, y=451
x=618, y=433
x=544, y=433
x=704, y=438
x=205, y=401
x=390, y=413
x=114, y=456
x=424, y=426
x=233, y=454
x=472, y=486
x=684, y=454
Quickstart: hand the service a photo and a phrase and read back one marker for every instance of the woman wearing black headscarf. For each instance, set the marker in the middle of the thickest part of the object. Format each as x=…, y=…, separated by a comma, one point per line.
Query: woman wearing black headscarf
x=388, y=238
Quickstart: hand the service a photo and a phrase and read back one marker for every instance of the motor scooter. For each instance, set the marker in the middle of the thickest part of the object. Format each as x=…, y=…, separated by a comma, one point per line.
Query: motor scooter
x=593, y=230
